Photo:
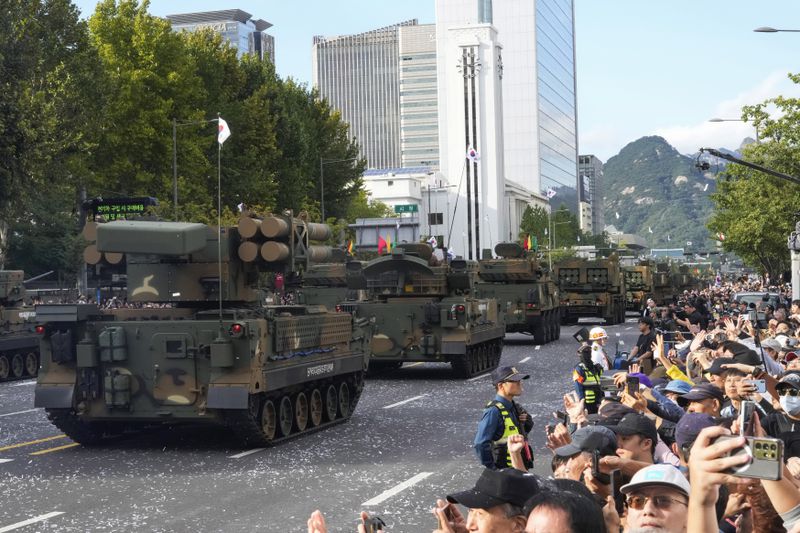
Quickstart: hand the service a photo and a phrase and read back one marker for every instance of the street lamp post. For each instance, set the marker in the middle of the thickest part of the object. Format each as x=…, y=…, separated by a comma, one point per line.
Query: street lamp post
x=322, y=163
x=735, y=120
x=175, y=126
x=767, y=29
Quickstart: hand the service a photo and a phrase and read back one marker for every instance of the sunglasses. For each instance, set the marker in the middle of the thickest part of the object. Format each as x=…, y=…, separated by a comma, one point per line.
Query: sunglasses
x=788, y=392
x=661, y=502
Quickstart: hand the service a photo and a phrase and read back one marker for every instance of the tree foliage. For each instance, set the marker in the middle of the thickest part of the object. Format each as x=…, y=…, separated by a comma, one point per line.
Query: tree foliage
x=91, y=105
x=562, y=226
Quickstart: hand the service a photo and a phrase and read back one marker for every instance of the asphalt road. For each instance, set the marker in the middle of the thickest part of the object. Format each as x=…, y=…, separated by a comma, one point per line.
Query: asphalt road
x=407, y=444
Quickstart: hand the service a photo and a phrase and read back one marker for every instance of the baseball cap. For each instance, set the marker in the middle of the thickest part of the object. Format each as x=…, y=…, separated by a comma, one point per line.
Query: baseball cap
x=704, y=391
x=657, y=475
x=716, y=365
x=637, y=424
x=747, y=357
x=790, y=356
x=496, y=487
x=610, y=413
x=507, y=373
x=677, y=386
x=772, y=344
x=790, y=380
x=588, y=439
x=690, y=425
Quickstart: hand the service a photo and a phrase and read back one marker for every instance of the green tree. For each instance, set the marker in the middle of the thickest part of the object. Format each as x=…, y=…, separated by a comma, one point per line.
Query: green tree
x=363, y=207
x=534, y=222
x=754, y=210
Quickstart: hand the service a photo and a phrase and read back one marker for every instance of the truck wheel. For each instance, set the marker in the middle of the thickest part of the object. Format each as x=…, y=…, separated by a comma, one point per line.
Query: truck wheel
x=331, y=403
x=538, y=331
x=315, y=408
x=285, y=416
x=31, y=364
x=344, y=400
x=301, y=411
x=556, y=322
x=5, y=368
x=269, y=420
x=17, y=366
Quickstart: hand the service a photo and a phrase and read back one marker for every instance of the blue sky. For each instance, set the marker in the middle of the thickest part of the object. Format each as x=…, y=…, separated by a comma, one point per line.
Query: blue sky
x=644, y=67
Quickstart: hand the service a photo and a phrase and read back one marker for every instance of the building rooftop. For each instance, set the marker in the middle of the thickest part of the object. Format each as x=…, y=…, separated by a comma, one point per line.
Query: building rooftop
x=396, y=171
x=216, y=16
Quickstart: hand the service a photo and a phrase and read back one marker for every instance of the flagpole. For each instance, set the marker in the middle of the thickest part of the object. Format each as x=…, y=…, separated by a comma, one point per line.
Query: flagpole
x=219, y=222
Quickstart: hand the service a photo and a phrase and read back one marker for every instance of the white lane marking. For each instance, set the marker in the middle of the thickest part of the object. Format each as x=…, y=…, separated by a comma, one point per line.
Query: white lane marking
x=414, y=364
x=404, y=401
x=19, y=413
x=245, y=454
x=385, y=495
x=537, y=347
x=476, y=378
x=24, y=383
x=5, y=461
x=629, y=327
x=30, y=521
x=524, y=360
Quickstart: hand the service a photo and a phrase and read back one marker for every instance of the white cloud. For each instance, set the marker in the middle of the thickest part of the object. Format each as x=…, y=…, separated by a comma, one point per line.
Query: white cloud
x=688, y=138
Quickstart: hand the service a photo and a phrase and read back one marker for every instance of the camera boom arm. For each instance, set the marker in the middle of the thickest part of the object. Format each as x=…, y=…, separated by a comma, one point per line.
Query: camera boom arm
x=754, y=166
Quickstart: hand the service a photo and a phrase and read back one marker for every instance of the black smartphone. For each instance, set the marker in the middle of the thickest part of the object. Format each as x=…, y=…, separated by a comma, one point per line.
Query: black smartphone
x=599, y=476
x=616, y=484
x=747, y=417
x=632, y=385
x=563, y=417
x=550, y=429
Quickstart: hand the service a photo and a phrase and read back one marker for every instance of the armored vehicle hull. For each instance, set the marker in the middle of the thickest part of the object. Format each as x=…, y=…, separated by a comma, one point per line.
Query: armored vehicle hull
x=523, y=289
x=201, y=349
x=19, y=344
x=426, y=313
x=591, y=288
x=639, y=285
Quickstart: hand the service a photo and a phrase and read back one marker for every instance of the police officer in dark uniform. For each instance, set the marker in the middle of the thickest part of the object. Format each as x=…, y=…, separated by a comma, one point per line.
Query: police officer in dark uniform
x=586, y=378
x=502, y=418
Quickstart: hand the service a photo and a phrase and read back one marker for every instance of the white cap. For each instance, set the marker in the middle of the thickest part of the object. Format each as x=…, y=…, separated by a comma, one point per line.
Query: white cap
x=658, y=475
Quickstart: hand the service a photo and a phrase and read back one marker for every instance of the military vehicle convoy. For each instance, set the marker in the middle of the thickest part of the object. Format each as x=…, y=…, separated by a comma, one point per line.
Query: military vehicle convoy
x=325, y=284
x=638, y=284
x=524, y=290
x=427, y=313
x=202, y=347
x=591, y=288
x=19, y=343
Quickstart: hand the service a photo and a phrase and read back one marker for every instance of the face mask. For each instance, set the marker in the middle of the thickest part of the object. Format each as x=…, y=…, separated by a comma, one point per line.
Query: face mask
x=791, y=405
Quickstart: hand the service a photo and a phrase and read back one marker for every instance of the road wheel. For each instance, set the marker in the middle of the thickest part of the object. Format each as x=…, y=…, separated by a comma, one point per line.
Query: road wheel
x=31, y=364
x=315, y=408
x=5, y=368
x=269, y=420
x=285, y=416
x=301, y=411
x=17, y=366
x=344, y=400
x=557, y=323
x=331, y=401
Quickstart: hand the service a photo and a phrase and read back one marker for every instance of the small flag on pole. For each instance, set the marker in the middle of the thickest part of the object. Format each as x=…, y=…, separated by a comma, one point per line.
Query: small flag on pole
x=389, y=245
x=224, y=131
x=473, y=155
x=720, y=236
x=433, y=242
x=550, y=193
x=616, y=214
x=350, y=247
x=649, y=229
x=526, y=245
x=381, y=245
x=705, y=188
x=668, y=239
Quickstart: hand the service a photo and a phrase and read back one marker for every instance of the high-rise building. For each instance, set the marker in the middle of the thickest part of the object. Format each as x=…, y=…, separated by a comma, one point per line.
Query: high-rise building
x=419, y=123
x=243, y=32
x=360, y=76
x=590, y=191
x=531, y=52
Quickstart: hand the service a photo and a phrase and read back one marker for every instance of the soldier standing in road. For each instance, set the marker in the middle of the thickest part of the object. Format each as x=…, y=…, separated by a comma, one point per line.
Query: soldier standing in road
x=502, y=418
x=586, y=376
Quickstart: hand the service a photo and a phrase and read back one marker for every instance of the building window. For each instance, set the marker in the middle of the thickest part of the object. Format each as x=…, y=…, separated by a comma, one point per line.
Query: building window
x=435, y=218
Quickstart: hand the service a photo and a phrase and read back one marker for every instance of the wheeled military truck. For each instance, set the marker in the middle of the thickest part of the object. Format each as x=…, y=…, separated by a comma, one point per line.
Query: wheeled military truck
x=591, y=288
x=19, y=343
x=638, y=285
x=196, y=343
x=426, y=313
x=663, y=292
x=524, y=290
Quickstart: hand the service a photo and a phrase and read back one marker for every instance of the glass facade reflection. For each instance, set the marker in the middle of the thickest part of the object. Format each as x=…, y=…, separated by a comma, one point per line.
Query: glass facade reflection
x=237, y=27
x=555, y=62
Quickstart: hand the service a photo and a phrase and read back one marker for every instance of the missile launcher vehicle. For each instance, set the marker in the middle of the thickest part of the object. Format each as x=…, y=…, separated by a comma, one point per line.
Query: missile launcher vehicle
x=639, y=285
x=524, y=290
x=427, y=313
x=19, y=343
x=591, y=288
x=197, y=345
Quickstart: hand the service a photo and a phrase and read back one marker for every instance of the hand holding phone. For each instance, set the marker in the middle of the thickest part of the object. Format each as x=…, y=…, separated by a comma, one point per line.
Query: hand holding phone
x=619, y=498
x=632, y=385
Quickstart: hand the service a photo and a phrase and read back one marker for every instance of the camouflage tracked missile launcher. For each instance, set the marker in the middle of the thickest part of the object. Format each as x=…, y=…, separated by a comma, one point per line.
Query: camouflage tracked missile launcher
x=202, y=348
x=19, y=343
x=326, y=284
x=523, y=289
x=591, y=288
x=639, y=285
x=427, y=313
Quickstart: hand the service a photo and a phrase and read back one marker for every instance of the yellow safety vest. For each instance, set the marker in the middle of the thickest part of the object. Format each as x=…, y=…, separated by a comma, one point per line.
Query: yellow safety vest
x=591, y=385
x=502, y=457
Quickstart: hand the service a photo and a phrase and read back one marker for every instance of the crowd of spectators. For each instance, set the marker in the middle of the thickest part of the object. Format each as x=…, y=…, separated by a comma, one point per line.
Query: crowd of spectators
x=707, y=440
